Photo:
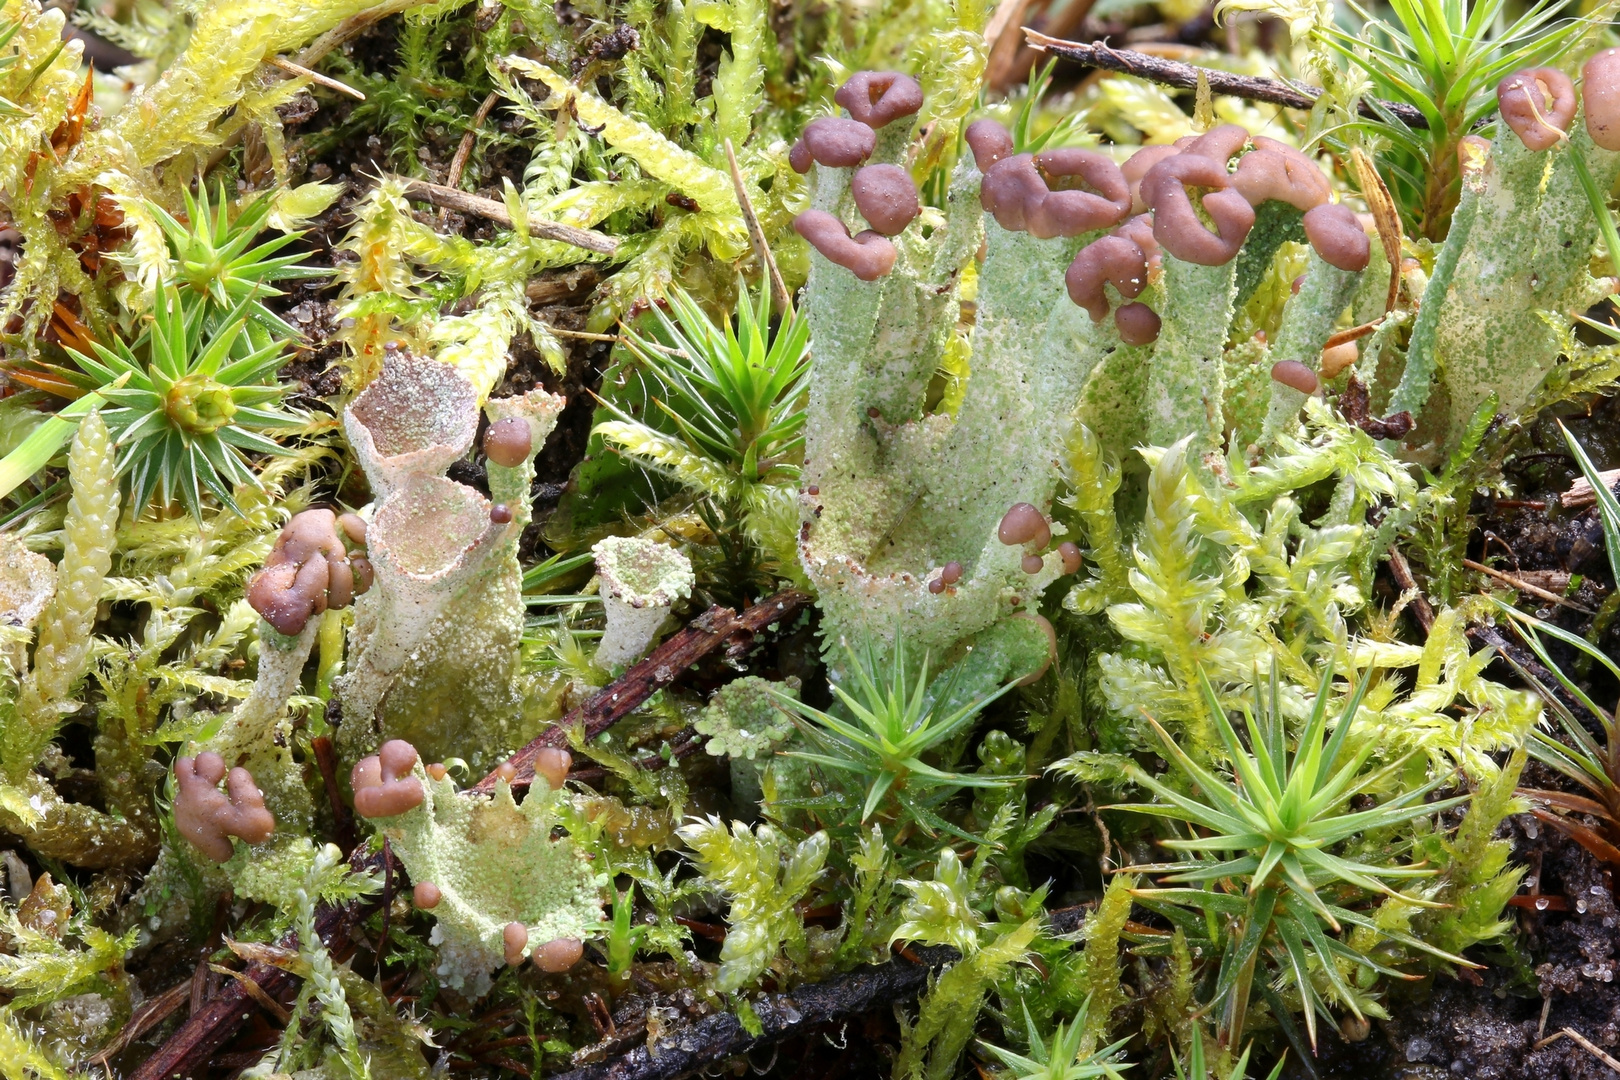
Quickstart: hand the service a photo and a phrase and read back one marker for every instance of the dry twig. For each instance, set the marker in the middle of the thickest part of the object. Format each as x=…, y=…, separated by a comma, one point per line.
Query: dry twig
x=1185, y=77
x=661, y=667
x=468, y=203
x=1525, y=586
x=1577, y=1037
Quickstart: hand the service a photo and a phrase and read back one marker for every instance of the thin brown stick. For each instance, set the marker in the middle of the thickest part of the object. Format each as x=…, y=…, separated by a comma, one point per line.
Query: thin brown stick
x=458, y=164
x=1525, y=586
x=557, y=286
x=756, y=235
x=212, y=1026
x=302, y=72
x=255, y=991
x=1582, y=494
x=1402, y=571
x=1185, y=77
x=1583, y=1041
x=327, y=764
x=351, y=28
x=663, y=666
x=468, y=203
x=152, y=1012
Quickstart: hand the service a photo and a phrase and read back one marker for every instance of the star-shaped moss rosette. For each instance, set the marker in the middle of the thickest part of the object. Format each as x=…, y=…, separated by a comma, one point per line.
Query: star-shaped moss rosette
x=185, y=416
x=493, y=863
x=212, y=256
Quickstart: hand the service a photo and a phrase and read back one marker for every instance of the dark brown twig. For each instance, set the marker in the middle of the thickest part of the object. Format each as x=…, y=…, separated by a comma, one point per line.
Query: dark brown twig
x=212, y=1026
x=710, y=1041
x=342, y=818
x=1402, y=572
x=458, y=164
x=152, y=1012
x=1185, y=77
x=468, y=203
x=663, y=666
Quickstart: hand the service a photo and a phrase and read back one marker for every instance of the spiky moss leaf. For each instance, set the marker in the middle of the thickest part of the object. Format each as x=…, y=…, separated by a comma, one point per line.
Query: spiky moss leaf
x=1453, y=714
x=946, y=1017
x=20, y=1057
x=495, y=863
x=1101, y=932
x=764, y=874
x=1477, y=879
x=659, y=157
x=43, y=968
x=739, y=85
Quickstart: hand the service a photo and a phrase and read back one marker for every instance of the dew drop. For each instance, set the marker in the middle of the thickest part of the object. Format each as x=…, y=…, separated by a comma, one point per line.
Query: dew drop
x=1596, y=890
x=1541, y=903
x=1531, y=830
x=1580, y=906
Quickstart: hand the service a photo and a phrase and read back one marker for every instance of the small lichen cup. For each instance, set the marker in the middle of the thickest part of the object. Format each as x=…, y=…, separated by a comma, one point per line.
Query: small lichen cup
x=640, y=579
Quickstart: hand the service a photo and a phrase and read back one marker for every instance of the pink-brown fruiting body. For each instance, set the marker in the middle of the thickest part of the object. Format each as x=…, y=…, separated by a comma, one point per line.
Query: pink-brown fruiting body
x=1337, y=235
x=1137, y=324
x=508, y=442
x=553, y=764
x=1176, y=225
x=989, y=142
x=838, y=143
x=868, y=256
x=1538, y=104
x=426, y=895
x=383, y=784
x=951, y=573
x=878, y=98
x=799, y=159
x=500, y=514
x=1218, y=144
x=1031, y=564
x=1272, y=174
x=1600, y=90
x=1114, y=260
x=209, y=817
x=886, y=197
x=1069, y=552
x=1292, y=373
x=1017, y=193
x=1023, y=523
x=307, y=571
x=515, y=938
x=354, y=528
x=1338, y=357
x=1067, y=210
x=1136, y=167
x=559, y=954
